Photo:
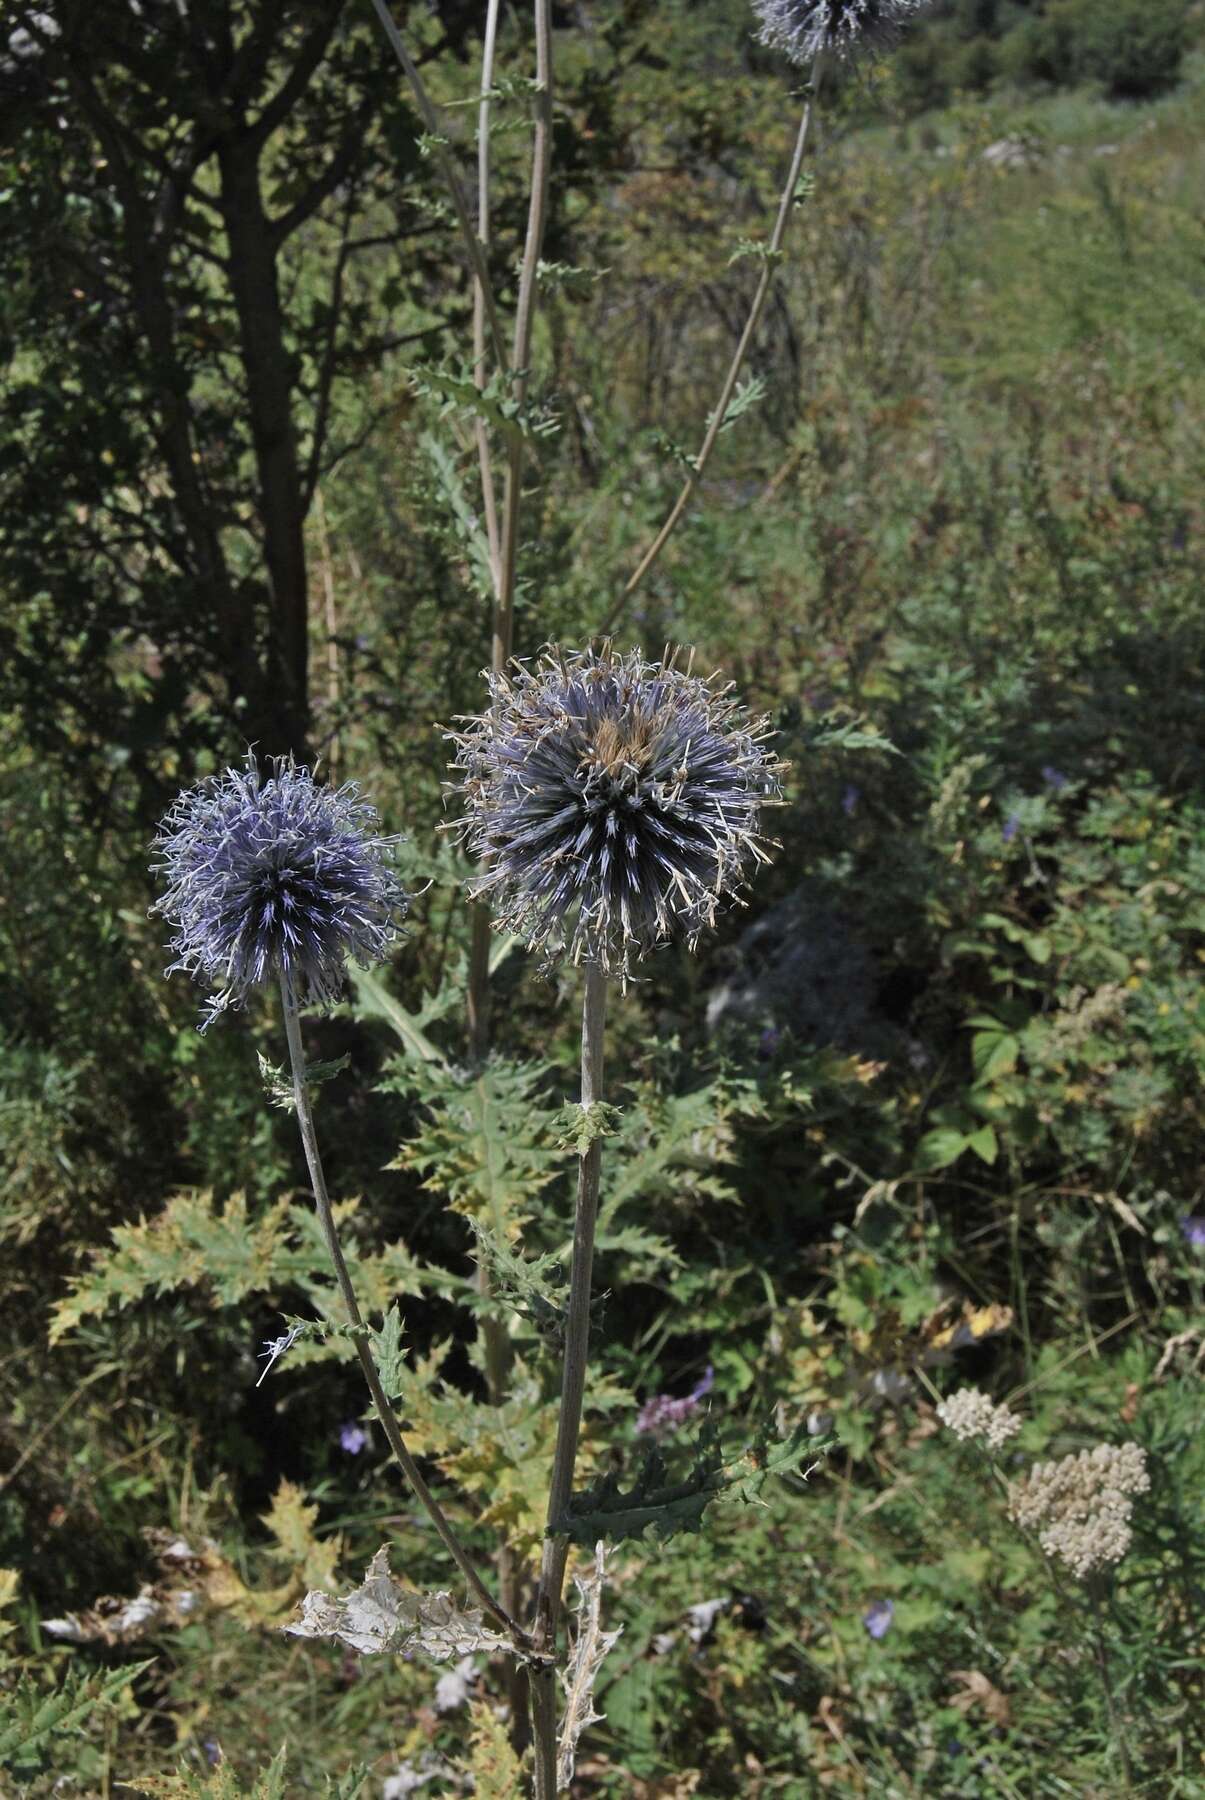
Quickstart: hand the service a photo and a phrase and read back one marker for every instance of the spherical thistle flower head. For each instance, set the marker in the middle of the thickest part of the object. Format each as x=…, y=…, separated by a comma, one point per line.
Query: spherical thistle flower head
x=272, y=875
x=806, y=29
x=615, y=803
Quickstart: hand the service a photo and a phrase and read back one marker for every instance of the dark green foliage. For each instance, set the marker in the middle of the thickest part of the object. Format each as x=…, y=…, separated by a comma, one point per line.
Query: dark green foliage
x=1134, y=48
x=653, y=1503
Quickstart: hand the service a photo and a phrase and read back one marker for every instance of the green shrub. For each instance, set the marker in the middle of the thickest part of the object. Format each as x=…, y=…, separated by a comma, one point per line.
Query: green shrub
x=1134, y=47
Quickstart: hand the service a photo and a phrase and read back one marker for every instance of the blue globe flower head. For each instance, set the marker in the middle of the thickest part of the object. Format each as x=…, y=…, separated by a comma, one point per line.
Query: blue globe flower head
x=614, y=803
x=268, y=875
x=805, y=29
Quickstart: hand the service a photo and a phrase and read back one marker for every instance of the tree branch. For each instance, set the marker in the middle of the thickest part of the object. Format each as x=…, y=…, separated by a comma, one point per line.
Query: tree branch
x=305, y=65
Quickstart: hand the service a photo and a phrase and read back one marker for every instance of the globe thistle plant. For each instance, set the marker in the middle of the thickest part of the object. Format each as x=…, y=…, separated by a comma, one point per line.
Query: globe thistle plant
x=615, y=803
x=806, y=29
x=275, y=877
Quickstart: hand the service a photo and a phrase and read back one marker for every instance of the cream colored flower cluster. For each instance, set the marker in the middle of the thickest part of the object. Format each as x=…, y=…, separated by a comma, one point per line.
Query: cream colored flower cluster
x=1081, y=1506
x=972, y=1417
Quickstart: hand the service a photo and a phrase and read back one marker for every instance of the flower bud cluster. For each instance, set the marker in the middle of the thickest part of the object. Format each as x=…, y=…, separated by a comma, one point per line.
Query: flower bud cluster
x=973, y=1418
x=1081, y=1506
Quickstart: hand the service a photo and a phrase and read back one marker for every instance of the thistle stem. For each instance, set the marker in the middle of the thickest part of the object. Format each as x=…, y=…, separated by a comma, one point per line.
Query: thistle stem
x=388, y=1418
x=716, y=423
x=484, y=457
x=573, y=1387
x=447, y=167
x=537, y=213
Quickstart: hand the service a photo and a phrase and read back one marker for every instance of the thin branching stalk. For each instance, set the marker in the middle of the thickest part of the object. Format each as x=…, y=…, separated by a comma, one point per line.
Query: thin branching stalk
x=388, y=1418
x=448, y=170
x=537, y=213
x=786, y=206
x=489, y=498
x=573, y=1387
x=506, y=563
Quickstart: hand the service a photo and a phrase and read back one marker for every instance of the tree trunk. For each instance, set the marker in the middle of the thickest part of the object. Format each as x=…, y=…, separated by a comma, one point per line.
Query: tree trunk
x=282, y=724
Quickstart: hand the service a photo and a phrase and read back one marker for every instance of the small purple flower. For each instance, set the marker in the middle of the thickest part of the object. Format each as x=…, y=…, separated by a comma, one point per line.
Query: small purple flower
x=1193, y=1227
x=353, y=1438
x=274, y=875
x=878, y=1616
x=1054, y=778
x=1010, y=827
x=663, y=1415
x=768, y=1042
x=850, y=798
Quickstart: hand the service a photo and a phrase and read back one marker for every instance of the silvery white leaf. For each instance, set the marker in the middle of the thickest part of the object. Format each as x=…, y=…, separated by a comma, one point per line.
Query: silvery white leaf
x=381, y=1617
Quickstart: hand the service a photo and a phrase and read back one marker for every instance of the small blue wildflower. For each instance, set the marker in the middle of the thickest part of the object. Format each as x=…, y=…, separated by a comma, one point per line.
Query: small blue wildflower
x=275, y=876
x=1010, y=827
x=804, y=29
x=768, y=1042
x=1193, y=1228
x=850, y=798
x=353, y=1438
x=614, y=803
x=878, y=1616
x=1054, y=778
x=663, y=1415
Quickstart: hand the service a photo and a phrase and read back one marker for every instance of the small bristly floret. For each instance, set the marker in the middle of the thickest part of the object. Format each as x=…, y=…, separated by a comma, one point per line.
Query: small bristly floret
x=270, y=875
x=806, y=29
x=614, y=803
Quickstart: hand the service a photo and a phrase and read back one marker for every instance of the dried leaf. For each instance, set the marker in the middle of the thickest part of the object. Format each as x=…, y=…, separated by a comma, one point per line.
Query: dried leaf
x=381, y=1617
x=978, y=1691
x=590, y=1646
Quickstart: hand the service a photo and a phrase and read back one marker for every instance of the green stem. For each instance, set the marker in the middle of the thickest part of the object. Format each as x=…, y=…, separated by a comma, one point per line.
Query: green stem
x=388, y=1418
x=1116, y=1729
x=525, y=309
x=785, y=207
x=573, y=1387
x=447, y=167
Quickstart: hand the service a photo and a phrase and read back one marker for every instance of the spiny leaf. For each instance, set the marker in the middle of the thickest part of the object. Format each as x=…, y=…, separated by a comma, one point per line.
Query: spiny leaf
x=755, y=248
x=388, y=1353
x=523, y=1283
x=769, y=1456
x=31, y=1719
x=381, y=1617
x=606, y=1510
x=580, y=1126
x=279, y=1086
x=559, y=275
x=457, y=392
x=221, y=1784
x=488, y=1143
x=193, y=1243
x=493, y=1769
x=748, y=394
x=465, y=521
